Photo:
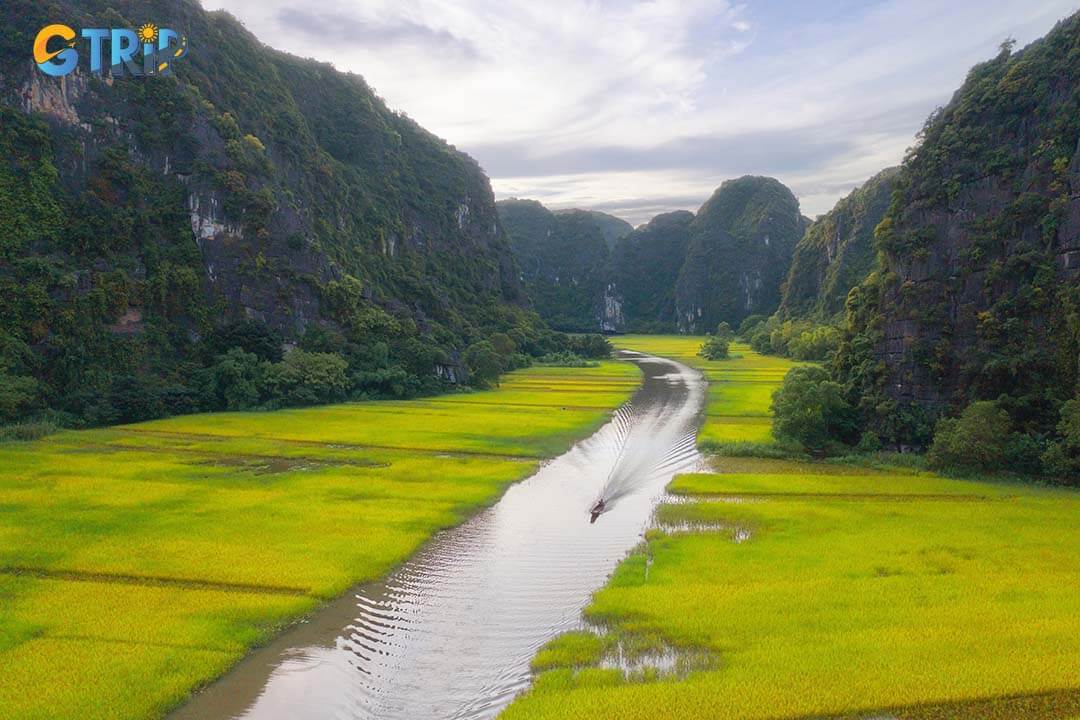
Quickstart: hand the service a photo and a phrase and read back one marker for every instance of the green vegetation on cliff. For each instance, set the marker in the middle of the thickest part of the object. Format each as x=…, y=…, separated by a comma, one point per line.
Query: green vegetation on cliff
x=645, y=267
x=563, y=259
x=253, y=196
x=612, y=229
x=976, y=297
x=738, y=253
x=964, y=307
x=836, y=253
x=680, y=272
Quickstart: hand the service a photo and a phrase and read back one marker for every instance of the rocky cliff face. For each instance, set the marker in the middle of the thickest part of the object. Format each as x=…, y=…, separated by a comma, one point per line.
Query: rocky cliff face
x=563, y=259
x=739, y=250
x=836, y=253
x=281, y=161
x=680, y=272
x=977, y=294
x=645, y=269
x=251, y=185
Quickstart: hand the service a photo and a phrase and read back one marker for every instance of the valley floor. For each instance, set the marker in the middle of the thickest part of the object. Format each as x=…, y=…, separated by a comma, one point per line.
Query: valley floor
x=778, y=589
x=140, y=562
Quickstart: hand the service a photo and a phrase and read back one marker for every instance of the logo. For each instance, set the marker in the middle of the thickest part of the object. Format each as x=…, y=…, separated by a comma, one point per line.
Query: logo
x=150, y=50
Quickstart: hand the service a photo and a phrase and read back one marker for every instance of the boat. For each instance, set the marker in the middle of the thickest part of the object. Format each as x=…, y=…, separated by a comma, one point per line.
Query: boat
x=596, y=510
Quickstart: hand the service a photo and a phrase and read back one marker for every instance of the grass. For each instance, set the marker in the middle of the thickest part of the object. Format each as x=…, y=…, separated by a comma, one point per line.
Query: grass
x=139, y=562
x=27, y=430
x=847, y=592
x=740, y=388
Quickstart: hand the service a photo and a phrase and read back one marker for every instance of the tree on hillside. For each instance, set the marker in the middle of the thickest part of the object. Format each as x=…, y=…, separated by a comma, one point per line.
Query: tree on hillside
x=308, y=378
x=810, y=409
x=973, y=442
x=236, y=379
x=1062, y=458
x=484, y=364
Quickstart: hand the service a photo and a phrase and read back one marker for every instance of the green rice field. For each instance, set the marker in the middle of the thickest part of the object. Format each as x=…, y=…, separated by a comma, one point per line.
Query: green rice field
x=140, y=562
x=781, y=589
x=740, y=388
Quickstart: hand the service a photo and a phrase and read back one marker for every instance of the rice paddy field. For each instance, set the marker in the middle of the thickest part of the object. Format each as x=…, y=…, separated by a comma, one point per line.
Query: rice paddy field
x=140, y=562
x=740, y=388
x=781, y=589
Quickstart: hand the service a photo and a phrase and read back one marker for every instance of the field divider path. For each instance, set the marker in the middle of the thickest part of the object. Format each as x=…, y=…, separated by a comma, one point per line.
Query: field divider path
x=155, y=581
x=136, y=643
x=211, y=455
x=856, y=496
x=337, y=445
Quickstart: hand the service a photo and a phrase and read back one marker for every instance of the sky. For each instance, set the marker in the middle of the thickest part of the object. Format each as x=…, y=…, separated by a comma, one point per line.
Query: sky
x=638, y=108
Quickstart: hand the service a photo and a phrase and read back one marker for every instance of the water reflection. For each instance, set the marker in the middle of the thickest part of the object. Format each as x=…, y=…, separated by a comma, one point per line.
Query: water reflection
x=452, y=632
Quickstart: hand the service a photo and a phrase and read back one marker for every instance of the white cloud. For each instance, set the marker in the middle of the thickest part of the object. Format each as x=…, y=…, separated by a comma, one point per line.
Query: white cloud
x=558, y=80
x=552, y=73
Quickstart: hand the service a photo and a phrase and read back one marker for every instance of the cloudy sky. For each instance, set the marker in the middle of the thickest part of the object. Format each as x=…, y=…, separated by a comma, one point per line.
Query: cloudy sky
x=637, y=108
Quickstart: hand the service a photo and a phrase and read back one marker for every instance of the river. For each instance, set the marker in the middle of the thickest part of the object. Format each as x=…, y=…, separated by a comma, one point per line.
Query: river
x=450, y=634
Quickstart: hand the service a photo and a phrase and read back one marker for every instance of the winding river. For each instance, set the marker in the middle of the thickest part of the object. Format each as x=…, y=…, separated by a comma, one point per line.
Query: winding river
x=450, y=634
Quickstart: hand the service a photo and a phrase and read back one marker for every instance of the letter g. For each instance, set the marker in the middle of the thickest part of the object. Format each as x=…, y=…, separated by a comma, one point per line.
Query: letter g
x=59, y=62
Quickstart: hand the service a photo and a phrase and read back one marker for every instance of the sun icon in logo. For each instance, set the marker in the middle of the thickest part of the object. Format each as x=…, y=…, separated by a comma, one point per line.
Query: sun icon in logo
x=148, y=33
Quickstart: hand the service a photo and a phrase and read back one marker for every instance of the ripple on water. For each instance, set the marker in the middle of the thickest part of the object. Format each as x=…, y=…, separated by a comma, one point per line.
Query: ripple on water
x=452, y=632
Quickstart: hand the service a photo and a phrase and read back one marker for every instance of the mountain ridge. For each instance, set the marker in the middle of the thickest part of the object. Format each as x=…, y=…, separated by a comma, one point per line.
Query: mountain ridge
x=837, y=252
x=681, y=271
x=249, y=188
x=974, y=294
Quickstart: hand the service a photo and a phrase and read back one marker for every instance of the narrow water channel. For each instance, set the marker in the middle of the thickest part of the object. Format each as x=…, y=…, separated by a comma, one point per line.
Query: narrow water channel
x=451, y=633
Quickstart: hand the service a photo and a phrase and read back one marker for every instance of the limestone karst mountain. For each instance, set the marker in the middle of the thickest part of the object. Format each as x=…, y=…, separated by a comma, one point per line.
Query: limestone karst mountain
x=976, y=294
x=740, y=247
x=145, y=216
x=680, y=271
x=837, y=252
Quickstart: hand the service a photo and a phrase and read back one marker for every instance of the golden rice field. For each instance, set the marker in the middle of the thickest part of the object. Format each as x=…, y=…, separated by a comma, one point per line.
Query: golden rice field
x=139, y=562
x=778, y=589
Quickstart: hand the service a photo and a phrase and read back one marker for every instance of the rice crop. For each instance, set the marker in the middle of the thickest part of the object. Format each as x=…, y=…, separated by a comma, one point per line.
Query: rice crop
x=828, y=591
x=140, y=562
